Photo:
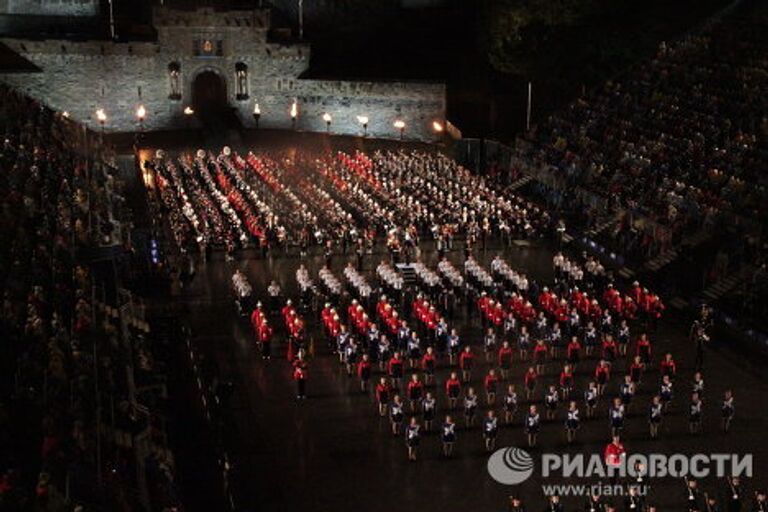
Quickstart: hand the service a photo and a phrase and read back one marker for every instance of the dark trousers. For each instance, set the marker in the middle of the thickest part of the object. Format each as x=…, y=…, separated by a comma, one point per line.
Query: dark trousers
x=699, y=357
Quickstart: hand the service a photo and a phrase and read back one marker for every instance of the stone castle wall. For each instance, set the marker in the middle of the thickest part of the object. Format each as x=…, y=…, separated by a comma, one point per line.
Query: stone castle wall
x=50, y=7
x=418, y=105
x=80, y=77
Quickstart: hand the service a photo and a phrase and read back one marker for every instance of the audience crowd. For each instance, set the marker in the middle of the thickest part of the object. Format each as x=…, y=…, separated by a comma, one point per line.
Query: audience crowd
x=69, y=431
x=678, y=142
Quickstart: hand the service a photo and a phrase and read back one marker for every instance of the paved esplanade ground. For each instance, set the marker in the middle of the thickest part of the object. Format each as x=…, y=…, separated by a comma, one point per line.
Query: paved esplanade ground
x=333, y=452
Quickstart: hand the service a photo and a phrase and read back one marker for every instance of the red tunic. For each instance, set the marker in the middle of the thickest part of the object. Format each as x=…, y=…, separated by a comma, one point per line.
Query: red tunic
x=428, y=361
x=364, y=369
x=614, y=454
x=465, y=360
x=453, y=387
x=415, y=388
x=265, y=333
x=505, y=356
x=382, y=392
x=602, y=374
x=490, y=383
x=395, y=364
x=668, y=367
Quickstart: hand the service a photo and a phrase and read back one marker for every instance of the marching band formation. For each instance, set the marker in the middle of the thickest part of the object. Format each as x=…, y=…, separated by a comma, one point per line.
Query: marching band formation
x=584, y=345
x=453, y=349
x=335, y=203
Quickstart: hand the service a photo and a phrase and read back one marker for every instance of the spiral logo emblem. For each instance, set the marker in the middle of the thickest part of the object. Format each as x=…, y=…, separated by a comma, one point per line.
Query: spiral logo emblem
x=510, y=466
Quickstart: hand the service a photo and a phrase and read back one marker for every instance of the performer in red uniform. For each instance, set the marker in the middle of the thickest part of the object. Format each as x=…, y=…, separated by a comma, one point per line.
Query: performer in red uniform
x=364, y=372
x=288, y=311
x=610, y=348
x=453, y=389
x=644, y=349
x=466, y=362
x=636, y=370
x=652, y=308
x=530, y=382
x=602, y=376
x=326, y=316
x=614, y=455
x=383, y=393
x=505, y=359
x=482, y=306
x=668, y=366
x=257, y=316
x=265, y=337
x=415, y=392
x=562, y=313
x=540, y=351
x=566, y=382
x=428, y=364
x=527, y=313
x=395, y=368
x=547, y=300
x=610, y=294
x=573, y=352
x=300, y=376
x=491, y=384
x=630, y=308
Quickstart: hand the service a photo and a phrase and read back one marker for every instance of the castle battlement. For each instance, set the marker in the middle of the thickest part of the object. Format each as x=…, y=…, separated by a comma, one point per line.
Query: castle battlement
x=208, y=18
